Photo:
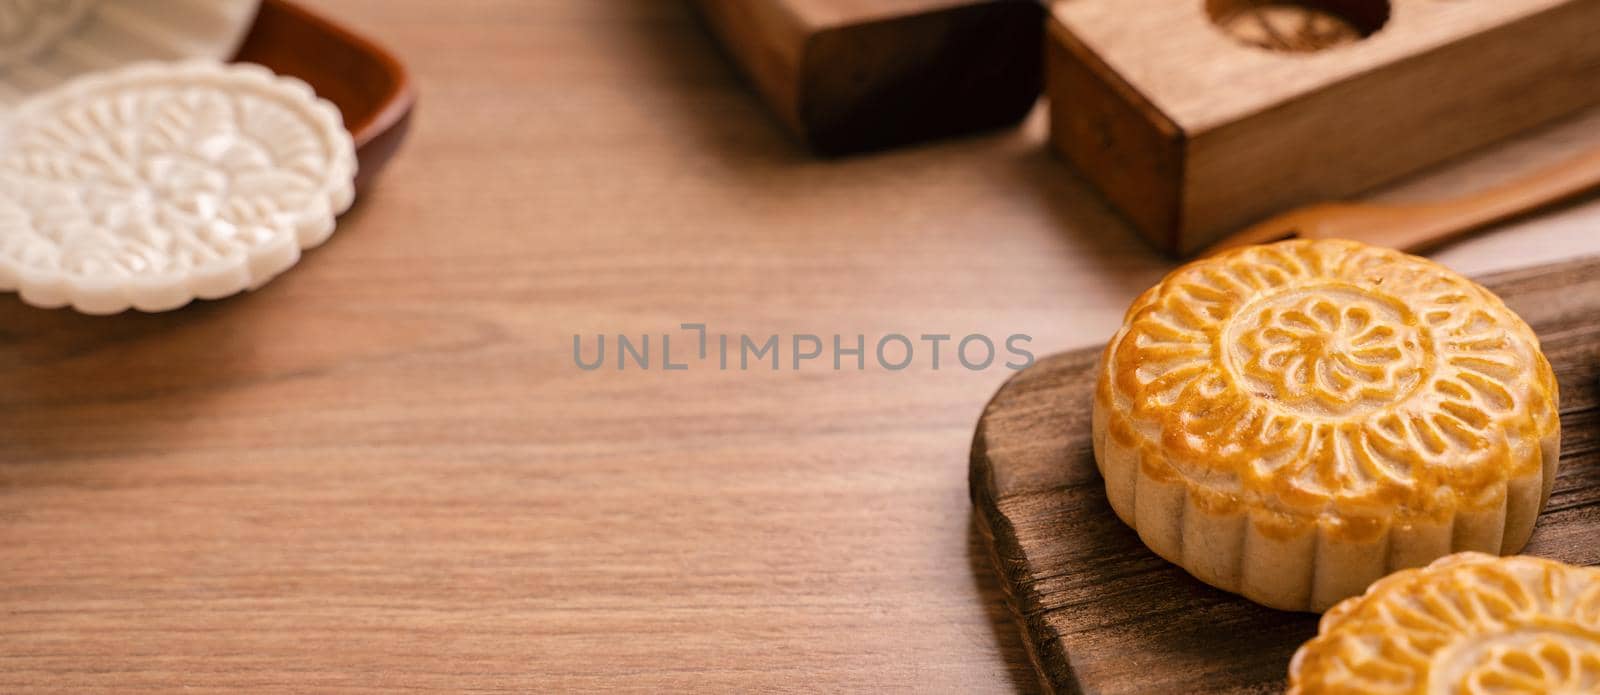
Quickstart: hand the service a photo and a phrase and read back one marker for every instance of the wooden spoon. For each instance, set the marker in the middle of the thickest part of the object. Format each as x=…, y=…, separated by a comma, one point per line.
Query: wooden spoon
x=1420, y=226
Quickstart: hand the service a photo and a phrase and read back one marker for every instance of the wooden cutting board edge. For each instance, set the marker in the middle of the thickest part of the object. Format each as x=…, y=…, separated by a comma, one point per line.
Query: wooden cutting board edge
x=999, y=537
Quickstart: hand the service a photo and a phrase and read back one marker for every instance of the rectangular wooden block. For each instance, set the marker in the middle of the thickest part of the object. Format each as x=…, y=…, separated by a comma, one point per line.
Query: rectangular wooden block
x=1192, y=132
x=849, y=75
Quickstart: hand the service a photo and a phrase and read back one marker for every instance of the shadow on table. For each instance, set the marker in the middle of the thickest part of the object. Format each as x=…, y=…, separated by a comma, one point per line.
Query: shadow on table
x=686, y=79
x=1007, y=635
x=91, y=386
x=1085, y=221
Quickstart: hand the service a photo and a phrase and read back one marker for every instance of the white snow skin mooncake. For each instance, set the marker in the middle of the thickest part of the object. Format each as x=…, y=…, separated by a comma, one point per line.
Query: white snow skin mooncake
x=152, y=185
x=1291, y=422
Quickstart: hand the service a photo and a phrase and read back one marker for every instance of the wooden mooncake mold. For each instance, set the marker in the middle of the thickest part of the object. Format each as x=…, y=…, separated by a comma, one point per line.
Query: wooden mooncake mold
x=1291, y=422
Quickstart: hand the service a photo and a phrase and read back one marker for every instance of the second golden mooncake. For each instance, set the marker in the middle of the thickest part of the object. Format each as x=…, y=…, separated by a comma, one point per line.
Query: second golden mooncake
x=1291, y=422
x=1467, y=624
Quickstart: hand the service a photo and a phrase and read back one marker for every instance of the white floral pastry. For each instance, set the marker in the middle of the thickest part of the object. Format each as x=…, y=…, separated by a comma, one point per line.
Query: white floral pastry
x=1468, y=624
x=1291, y=422
x=155, y=184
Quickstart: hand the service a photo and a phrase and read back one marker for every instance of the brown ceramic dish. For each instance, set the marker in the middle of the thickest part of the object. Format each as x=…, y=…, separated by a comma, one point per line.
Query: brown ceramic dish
x=367, y=83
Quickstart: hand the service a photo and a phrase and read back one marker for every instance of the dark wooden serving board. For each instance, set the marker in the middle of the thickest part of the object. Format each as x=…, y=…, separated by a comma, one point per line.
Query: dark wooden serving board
x=1102, y=614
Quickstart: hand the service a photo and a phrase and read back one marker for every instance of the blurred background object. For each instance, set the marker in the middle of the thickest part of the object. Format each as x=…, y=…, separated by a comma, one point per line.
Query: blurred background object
x=1419, y=227
x=45, y=43
x=850, y=75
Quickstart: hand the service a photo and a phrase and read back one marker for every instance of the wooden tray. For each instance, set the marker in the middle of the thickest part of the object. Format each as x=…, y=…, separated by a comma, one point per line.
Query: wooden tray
x=367, y=83
x=1100, y=613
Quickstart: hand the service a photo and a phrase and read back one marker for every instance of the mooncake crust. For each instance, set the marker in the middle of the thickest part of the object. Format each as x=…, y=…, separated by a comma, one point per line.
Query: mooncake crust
x=1293, y=421
x=1467, y=624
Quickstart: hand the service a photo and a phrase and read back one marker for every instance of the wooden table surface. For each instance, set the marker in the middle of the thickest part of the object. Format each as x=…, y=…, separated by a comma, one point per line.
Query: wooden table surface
x=384, y=470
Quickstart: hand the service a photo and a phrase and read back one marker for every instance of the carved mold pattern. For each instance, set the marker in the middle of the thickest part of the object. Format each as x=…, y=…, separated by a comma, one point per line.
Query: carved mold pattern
x=1469, y=624
x=158, y=183
x=1287, y=26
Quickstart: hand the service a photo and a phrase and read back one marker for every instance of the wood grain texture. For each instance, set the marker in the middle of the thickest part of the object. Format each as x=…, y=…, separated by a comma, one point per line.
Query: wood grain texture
x=1103, y=614
x=383, y=473
x=850, y=75
x=1235, y=133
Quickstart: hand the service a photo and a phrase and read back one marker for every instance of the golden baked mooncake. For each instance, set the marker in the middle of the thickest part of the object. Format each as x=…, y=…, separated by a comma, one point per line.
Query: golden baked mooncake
x=1468, y=624
x=1291, y=422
